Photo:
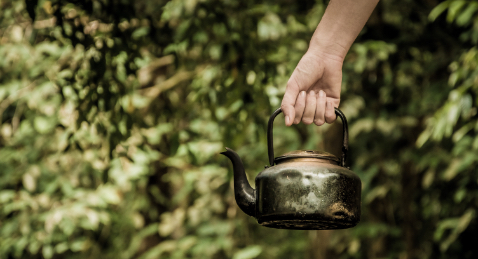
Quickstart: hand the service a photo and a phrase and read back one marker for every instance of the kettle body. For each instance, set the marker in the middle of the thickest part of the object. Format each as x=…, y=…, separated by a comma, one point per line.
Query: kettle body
x=301, y=189
x=308, y=193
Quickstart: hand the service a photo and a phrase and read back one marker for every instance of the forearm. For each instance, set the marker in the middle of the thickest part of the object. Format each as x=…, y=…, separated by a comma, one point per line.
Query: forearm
x=342, y=22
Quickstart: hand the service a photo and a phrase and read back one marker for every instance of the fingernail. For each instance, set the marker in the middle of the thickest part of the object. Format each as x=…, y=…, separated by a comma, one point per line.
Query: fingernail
x=287, y=120
x=321, y=93
x=312, y=93
x=303, y=93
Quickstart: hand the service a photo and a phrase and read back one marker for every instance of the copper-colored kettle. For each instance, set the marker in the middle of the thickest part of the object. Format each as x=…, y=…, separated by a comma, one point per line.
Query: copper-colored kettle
x=301, y=189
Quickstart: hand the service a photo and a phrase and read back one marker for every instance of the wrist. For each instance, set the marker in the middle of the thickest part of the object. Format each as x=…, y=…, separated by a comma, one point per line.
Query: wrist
x=341, y=23
x=327, y=49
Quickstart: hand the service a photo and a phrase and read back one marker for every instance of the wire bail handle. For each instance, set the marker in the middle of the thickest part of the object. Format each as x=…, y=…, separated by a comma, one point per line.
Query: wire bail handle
x=345, y=142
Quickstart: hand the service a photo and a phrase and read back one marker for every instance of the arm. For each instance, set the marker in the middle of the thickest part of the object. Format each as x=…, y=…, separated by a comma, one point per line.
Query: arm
x=313, y=89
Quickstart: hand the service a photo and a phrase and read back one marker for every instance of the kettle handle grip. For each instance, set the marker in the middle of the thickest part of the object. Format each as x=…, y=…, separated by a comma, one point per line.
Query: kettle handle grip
x=345, y=140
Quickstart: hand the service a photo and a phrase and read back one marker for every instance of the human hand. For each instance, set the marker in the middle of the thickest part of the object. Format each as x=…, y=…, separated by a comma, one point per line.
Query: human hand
x=313, y=90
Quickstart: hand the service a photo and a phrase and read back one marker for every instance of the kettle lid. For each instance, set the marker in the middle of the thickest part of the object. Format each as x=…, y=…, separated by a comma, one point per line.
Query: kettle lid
x=307, y=154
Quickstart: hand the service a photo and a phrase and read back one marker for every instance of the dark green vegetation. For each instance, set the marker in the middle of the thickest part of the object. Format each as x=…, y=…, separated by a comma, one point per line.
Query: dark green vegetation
x=113, y=113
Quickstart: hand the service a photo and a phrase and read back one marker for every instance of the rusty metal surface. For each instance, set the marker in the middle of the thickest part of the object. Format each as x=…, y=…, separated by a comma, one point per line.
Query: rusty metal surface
x=302, y=193
x=302, y=189
x=307, y=224
x=243, y=192
x=306, y=154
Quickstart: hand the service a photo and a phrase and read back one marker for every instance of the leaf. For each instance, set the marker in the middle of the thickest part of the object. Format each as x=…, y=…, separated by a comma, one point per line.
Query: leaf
x=109, y=194
x=454, y=9
x=270, y=27
x=466, y=17
x=6, y=195
x=47, y=251
x=428, y=178
x=459, y=134
x=452, y=170
x=140, y=32
x=377, y=192
x=78, y=245
x=61, y=247
x=29, y=182
x=43, y=124
x=248, y=252
x=158, y=250
x=363, y=125
x=439, y=9
x=457, y=225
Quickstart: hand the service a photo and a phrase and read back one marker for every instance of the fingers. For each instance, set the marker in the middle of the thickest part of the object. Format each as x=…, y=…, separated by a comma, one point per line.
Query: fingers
x=299, y=107
x=311, y=107
x=289, y=101
x=330, y=112
x=313, y=90
x=309, y=111
x=319, y=118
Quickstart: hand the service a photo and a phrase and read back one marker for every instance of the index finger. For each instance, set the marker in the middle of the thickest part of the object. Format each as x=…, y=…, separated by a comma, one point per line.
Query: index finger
x=288, y=101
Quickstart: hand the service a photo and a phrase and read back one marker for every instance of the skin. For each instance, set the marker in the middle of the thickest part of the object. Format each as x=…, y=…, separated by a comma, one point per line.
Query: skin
x=313, y=89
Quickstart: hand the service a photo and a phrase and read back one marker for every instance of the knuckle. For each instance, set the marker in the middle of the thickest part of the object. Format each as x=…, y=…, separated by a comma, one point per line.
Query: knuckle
x=319, y=122
x=284, y=107
x=330, y=120
x=307, y=121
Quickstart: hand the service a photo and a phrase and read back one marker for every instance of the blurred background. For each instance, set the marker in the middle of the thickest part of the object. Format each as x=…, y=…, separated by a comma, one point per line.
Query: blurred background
x=113, y=114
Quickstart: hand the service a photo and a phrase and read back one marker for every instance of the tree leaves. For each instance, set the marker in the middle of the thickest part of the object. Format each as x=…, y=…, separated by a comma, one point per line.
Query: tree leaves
x=112, y=115
x=456, y=225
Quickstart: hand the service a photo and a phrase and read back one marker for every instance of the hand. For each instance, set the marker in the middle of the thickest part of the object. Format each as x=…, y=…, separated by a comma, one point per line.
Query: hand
x=313, y=90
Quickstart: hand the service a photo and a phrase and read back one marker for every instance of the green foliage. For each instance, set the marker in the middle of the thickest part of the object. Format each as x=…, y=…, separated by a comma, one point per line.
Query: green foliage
x=113, y=114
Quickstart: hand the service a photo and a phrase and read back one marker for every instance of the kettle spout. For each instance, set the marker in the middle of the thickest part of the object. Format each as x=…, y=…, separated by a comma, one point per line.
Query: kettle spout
x=245, y=195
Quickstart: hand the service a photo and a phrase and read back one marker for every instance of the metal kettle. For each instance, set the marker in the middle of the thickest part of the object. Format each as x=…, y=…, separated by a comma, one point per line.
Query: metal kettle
x=301, y=189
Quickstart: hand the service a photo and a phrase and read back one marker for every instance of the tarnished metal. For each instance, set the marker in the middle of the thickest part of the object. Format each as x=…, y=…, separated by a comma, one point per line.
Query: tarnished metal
x=243, y=192
x=306, y=154
x=301, y=189
x=308, y=193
